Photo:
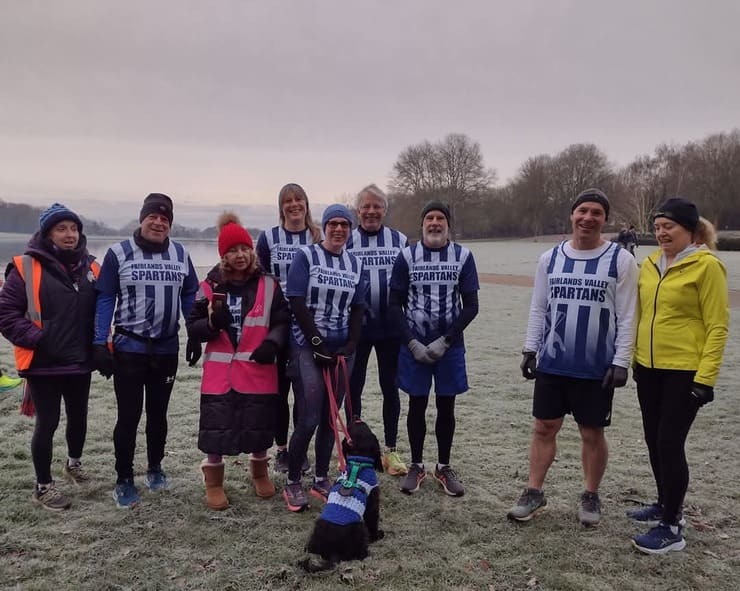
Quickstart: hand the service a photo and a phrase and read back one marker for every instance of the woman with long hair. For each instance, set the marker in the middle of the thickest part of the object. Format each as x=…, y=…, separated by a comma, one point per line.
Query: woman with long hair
x=275, y=250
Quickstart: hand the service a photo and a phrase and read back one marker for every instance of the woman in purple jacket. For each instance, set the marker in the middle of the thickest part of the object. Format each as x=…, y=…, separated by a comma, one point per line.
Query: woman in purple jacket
x=47, y=310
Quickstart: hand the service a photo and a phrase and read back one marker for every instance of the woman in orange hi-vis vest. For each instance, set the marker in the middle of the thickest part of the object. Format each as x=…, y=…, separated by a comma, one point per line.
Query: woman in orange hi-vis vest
x=241, y=314
x=47, y=310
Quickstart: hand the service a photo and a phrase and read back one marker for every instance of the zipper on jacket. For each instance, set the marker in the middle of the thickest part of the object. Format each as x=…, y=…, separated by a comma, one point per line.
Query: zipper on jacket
x=655, y=312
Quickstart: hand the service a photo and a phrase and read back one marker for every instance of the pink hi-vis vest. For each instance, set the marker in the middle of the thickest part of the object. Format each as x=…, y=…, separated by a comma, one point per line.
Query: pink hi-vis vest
x=224, y=368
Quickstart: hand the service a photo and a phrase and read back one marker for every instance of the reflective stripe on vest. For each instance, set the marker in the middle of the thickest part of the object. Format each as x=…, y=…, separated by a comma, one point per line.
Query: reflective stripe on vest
x=225, y=369
x=30, y=270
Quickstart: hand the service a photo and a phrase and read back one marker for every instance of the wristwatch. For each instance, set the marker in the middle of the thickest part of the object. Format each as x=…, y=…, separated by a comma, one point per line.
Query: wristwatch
x=316, y=341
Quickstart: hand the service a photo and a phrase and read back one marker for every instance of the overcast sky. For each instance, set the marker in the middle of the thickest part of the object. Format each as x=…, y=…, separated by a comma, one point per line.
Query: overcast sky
x=215, y=101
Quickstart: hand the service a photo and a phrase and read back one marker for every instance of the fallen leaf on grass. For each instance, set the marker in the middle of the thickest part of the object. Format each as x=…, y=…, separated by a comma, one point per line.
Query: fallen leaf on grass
x=702, y=526
x=485, y=565
x=723, y=536
x=712, y=554
x=532, y=582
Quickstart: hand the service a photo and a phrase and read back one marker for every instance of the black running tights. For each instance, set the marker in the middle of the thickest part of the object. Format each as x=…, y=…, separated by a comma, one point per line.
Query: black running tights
x=444, y=426
x=668, y=410
x=47, y=393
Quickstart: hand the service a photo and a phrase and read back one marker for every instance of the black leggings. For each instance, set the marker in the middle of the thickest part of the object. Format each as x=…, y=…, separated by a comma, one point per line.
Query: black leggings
x=282, y=420
x=386, y=353
x=134, y=374
x=47, y=393
x=668, y=410
x=444, y=426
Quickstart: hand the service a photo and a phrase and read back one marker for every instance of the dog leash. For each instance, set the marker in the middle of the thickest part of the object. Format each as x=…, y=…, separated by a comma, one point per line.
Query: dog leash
x=332, y=386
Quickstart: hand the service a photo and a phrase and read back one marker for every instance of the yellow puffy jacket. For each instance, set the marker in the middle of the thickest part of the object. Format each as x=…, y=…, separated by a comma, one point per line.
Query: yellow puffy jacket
x=683, y=316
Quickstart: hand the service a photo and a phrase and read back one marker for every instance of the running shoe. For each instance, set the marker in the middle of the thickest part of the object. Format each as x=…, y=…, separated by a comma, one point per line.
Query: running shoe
x=295, y=497
x=660, y=540
x=281, y=461
x=75, y=473
x=126, y=495
x=449, y=480
x=652, y=515
x=531, y=502
x=156, y=480
x=589, y=509
x=321, y=489
x=393, y=464
x=50, y=498
x=8, y=383
x=412, y=481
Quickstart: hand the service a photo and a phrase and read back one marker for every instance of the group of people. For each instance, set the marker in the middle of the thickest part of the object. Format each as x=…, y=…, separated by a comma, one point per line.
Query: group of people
x=275, y=316
x=305, y=307
x=592, y=315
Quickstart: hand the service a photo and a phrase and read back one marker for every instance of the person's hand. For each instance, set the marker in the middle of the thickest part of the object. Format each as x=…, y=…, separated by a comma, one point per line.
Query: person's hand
x=528, y=364
x=419, y=352
x=346, y=351
x=221, y=318
x=320, y=353
x=437, y=348
x=102, y=360
x=265, y=353
x=193, y=351
x=615, y=377
x=702, y=393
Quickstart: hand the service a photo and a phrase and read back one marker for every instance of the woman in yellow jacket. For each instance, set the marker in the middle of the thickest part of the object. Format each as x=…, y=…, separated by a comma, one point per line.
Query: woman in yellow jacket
x=681, y=335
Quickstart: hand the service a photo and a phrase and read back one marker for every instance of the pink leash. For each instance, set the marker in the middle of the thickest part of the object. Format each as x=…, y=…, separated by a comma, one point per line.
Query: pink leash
x=332, y=386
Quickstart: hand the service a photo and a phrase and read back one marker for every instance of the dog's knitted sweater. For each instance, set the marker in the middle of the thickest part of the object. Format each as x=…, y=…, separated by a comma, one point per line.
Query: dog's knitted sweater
x=343, y=509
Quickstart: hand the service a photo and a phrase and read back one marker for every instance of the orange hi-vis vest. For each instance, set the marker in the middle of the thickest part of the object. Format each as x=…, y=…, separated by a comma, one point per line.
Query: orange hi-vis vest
x=30, y=270
x=226, y=369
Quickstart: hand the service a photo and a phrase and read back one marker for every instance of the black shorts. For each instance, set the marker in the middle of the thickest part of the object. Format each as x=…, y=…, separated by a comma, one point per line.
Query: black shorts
x=589, y=403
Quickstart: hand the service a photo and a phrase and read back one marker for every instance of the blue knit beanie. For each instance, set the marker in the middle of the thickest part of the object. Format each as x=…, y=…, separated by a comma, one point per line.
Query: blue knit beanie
x=56, y=213
x=336, y=211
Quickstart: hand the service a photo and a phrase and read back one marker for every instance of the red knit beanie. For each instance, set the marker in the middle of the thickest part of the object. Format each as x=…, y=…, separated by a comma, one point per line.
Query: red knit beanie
x=231, y=233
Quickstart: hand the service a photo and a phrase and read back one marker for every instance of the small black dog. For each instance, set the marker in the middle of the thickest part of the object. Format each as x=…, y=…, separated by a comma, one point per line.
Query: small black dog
x=349, y=522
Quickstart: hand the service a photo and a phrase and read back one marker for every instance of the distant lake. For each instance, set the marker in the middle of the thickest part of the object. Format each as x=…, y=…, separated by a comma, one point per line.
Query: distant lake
x=506, y=257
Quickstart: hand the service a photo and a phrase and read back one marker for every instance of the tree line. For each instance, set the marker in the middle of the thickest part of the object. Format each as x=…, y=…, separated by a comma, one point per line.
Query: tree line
x=22, y=218
x=537, y=200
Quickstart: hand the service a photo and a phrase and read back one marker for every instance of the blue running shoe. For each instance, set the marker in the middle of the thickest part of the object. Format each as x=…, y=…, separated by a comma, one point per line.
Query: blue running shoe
x=652, y=515
x=156, y=480
x=660, y=540
x=126, y=495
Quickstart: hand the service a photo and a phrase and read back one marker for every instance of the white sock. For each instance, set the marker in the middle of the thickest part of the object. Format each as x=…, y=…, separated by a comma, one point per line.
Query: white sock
x=440, y=466
x=74, y=462
x=42, y=488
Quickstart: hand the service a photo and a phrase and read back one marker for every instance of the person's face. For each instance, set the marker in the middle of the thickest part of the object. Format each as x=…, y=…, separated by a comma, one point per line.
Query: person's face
x=435, y=230
x=238, y=257
x=294, y=208
x=587, y=220
x=336, y=231
x=371, y=212
x=671, y=237
x=65, y=235
x=155, y=227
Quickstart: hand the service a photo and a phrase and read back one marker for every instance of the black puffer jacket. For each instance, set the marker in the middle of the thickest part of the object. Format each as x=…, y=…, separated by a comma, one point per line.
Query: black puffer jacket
x=236, y=423
x=63, y=344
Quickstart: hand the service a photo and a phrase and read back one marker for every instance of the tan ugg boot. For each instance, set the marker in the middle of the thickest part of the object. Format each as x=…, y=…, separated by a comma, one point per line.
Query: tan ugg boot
x=213, y=478
x=263, y=486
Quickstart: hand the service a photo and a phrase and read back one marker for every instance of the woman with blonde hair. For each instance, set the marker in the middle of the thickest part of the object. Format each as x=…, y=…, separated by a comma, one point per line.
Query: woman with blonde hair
x=275, y=250
x=241, y=314
x=682, y=327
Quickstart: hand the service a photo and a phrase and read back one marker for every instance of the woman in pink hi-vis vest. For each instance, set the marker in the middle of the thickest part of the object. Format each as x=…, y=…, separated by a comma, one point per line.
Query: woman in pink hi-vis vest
x=241, y=314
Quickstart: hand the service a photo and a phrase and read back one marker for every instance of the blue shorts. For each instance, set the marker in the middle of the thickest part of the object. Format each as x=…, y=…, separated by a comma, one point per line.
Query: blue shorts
x=450, y=378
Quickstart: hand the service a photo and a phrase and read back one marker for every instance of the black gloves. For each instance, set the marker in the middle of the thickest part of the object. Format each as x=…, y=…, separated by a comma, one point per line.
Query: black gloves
x=346, y=351
x=265, y=353
x=221, y=318
x=193, y=351
x=102, y=360
x=528, y=364
x=320, y=353
x=702, y=393
x=615, y=377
